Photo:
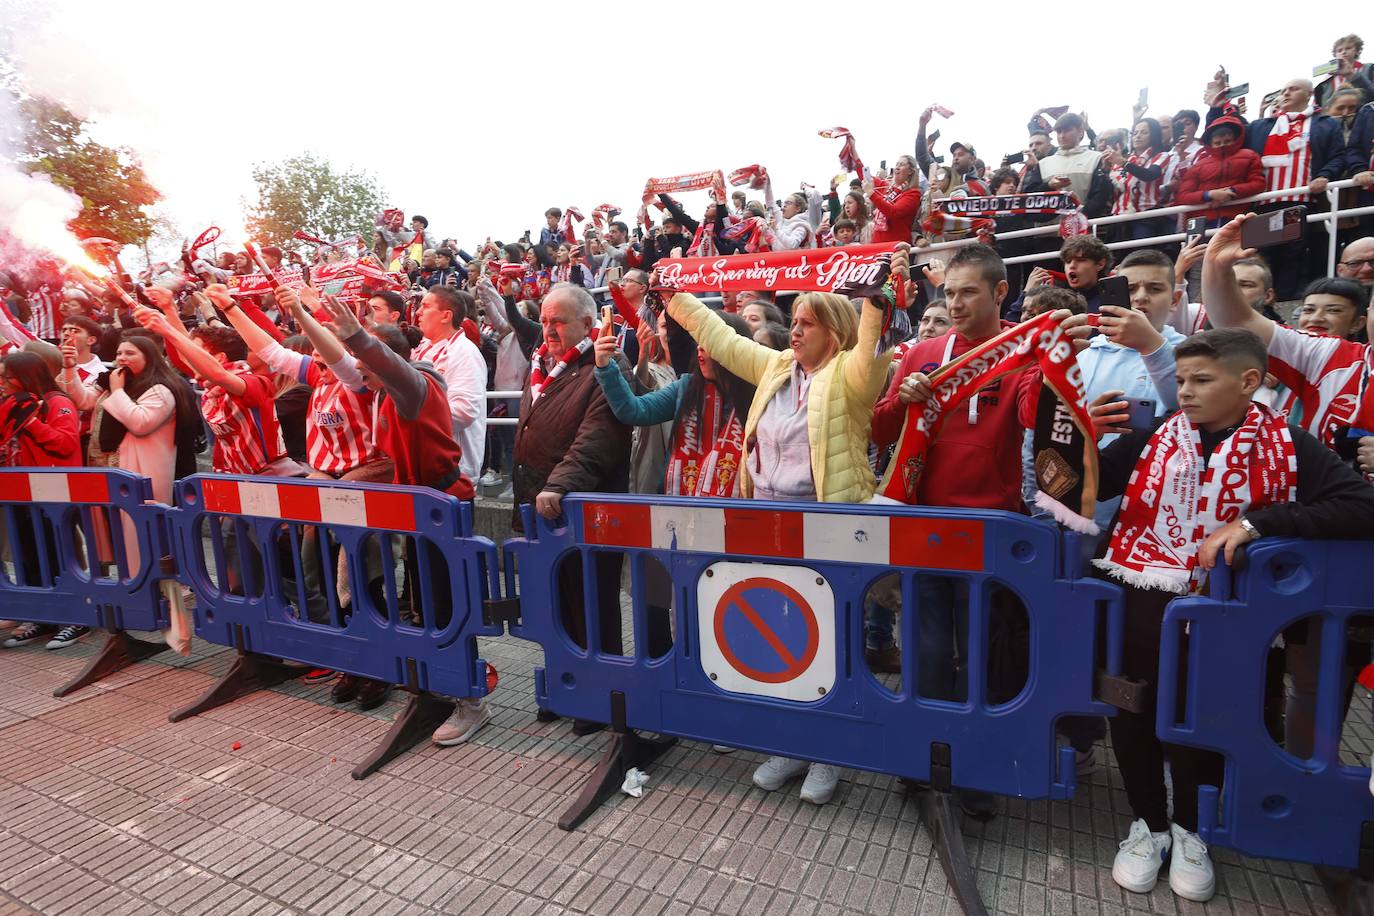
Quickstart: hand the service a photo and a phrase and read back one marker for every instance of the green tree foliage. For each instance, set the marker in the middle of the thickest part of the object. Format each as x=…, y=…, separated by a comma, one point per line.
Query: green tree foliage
x=306, y=193
x=114, y=191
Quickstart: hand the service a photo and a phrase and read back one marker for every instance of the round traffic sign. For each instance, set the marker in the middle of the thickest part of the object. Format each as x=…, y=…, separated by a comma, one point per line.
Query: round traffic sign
x=766, y=630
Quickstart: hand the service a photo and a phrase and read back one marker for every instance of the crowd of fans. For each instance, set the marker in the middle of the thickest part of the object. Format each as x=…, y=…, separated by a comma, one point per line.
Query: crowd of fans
x=617, y=382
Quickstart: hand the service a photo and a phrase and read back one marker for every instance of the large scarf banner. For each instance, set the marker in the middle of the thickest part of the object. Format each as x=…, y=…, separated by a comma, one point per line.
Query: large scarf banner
x=1065, y=444
x=259, y=285
x=1009, y=204
x=797, y=270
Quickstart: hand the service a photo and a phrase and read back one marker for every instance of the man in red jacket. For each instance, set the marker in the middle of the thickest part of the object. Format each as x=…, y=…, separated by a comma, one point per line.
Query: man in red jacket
x=1224, y=171
x=974, y=463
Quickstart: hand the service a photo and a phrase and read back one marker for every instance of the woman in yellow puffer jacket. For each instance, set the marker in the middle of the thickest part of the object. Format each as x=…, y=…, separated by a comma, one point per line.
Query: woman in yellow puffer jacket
x=825, y=386
x=807, y=433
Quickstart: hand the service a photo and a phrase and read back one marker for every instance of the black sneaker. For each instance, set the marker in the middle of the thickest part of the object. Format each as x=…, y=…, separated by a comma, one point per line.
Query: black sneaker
x=345, y=688
x=66, y=636
x=26, y=634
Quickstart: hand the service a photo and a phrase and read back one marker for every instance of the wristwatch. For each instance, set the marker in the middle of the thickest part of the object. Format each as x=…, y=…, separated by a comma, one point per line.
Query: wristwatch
x=1250, y=529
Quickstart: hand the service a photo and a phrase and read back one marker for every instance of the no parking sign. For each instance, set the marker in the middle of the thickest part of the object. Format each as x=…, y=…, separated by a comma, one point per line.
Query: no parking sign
x=767, y=630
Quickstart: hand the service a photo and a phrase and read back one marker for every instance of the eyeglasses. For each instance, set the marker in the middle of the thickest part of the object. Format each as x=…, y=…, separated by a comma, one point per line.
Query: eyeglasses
x=1356, y=265
x=633, y=280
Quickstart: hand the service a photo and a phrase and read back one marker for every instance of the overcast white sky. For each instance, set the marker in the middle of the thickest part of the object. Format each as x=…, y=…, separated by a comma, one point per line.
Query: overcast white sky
x=480, y=116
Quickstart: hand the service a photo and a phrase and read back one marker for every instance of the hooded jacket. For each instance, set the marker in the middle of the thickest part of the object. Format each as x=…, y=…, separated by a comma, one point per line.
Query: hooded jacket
x=1235, y=167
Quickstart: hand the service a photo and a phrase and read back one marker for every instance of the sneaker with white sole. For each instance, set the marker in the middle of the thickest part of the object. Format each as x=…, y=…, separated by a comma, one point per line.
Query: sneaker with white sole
x=67, y=636
x=1191, y=874
x=490, y=479
x=508, y=492
x=820, y=784
x=468, y=716
x=26, y=634
x=776, y=772
x=727, y=749
x=1141, y=855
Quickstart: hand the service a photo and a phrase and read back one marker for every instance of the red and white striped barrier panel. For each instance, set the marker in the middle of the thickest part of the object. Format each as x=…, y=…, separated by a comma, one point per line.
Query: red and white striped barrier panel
x=930, y=543
x=300, y=502
x=76, y=487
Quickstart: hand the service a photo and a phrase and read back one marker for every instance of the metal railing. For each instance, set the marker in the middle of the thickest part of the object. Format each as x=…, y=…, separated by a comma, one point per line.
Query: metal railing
x=1331, y=217
x=921, y=255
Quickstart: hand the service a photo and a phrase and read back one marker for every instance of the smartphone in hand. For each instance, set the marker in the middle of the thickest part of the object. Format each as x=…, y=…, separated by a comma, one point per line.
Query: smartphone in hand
x=1197, y=228
x=1141, y=412
x=1274, y=228
x=1113, y=291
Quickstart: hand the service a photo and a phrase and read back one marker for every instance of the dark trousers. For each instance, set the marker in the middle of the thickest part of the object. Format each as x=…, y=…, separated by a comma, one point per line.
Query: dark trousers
x=605, y=594
x=1140, y=755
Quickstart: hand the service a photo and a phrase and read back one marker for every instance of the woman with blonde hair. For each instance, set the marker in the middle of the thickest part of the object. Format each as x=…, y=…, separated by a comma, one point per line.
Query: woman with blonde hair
x=807, y=430
x=896, y=201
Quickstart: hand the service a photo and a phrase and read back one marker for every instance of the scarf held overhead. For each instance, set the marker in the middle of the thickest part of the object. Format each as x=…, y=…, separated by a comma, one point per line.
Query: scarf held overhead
x=1177, y=496
x=849, y=156
x=798, y=270
x=1065, y=448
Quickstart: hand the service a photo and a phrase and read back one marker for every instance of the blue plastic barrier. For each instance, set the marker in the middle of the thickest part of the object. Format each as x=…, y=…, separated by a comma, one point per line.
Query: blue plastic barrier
x=73, y=561
x=86, y=547
x=241, y=541
x=796, y=683
x=1273, y=804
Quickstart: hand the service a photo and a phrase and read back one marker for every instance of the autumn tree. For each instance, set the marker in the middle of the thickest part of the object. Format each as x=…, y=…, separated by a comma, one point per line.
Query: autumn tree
x=115, y=193
x=308, y=194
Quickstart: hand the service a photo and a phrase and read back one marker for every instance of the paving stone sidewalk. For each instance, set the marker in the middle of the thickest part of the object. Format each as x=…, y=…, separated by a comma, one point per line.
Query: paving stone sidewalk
x=105, y=807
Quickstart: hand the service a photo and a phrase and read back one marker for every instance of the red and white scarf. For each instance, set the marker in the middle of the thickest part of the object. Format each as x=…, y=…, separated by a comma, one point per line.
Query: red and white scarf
x=1177, y=496
x=565, y=224
x=602, y=215
x=693, y=181
x=1038, y=341
x=849, y=156
x=539, y=379
x=756, y=176
x=1288, y=135
x=694, y=471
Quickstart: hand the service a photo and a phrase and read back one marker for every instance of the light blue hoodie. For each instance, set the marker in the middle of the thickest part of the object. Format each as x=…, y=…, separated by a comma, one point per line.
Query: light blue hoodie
x=1110, y=367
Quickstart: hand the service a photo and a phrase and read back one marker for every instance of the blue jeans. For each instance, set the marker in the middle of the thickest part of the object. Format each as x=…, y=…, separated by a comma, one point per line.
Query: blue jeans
x=942, y=631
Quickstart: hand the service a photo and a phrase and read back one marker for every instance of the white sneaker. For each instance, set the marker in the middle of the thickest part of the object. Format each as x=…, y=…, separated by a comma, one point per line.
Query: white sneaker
x=820, y=784
x=468, y=716
x=776, y=772
x=1142, y=853
x=727, y=749
x=508, y=492
x=1191, y=875
x=490, y=478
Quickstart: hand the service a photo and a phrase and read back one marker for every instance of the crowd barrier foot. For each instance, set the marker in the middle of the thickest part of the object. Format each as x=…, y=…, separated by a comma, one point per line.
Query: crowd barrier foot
x=625, y=750
x=120, y=651
x=1120, y=691
x=249, y=673
x=1351, y=893
x=943, y=825
x=423, y=713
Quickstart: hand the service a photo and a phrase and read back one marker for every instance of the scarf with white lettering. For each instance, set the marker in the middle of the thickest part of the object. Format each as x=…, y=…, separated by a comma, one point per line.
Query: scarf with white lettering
x=756, y=176
x=693, y=470
x=1177, y=496
x=1065, y=450
x=538, y=379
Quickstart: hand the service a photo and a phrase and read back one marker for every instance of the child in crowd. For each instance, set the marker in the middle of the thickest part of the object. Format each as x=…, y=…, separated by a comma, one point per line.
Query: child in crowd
x=1278, y=481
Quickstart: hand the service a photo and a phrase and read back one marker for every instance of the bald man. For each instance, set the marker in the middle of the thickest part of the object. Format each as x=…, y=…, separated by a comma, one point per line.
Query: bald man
x=1357, y=261
x=1301, y=152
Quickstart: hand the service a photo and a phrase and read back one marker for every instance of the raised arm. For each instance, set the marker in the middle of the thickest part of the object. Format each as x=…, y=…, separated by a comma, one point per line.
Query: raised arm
x=200, y=361
x=1226, y=306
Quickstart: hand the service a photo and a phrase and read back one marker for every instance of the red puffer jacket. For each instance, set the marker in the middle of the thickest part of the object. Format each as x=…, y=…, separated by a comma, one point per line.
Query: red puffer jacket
x=1233, y=167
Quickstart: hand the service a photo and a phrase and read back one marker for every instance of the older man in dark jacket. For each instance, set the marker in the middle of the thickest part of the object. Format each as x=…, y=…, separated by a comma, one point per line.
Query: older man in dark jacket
x=568, y=440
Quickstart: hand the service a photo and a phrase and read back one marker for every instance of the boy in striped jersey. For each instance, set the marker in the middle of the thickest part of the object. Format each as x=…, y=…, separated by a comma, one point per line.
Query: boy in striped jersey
x=338, y=438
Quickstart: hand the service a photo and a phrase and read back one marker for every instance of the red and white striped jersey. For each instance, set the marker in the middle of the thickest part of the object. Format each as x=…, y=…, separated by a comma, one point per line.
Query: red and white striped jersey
x=44, y=319
x=247, y=436
x=338, y=434
x=1326, y=376
x=1133, y=194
